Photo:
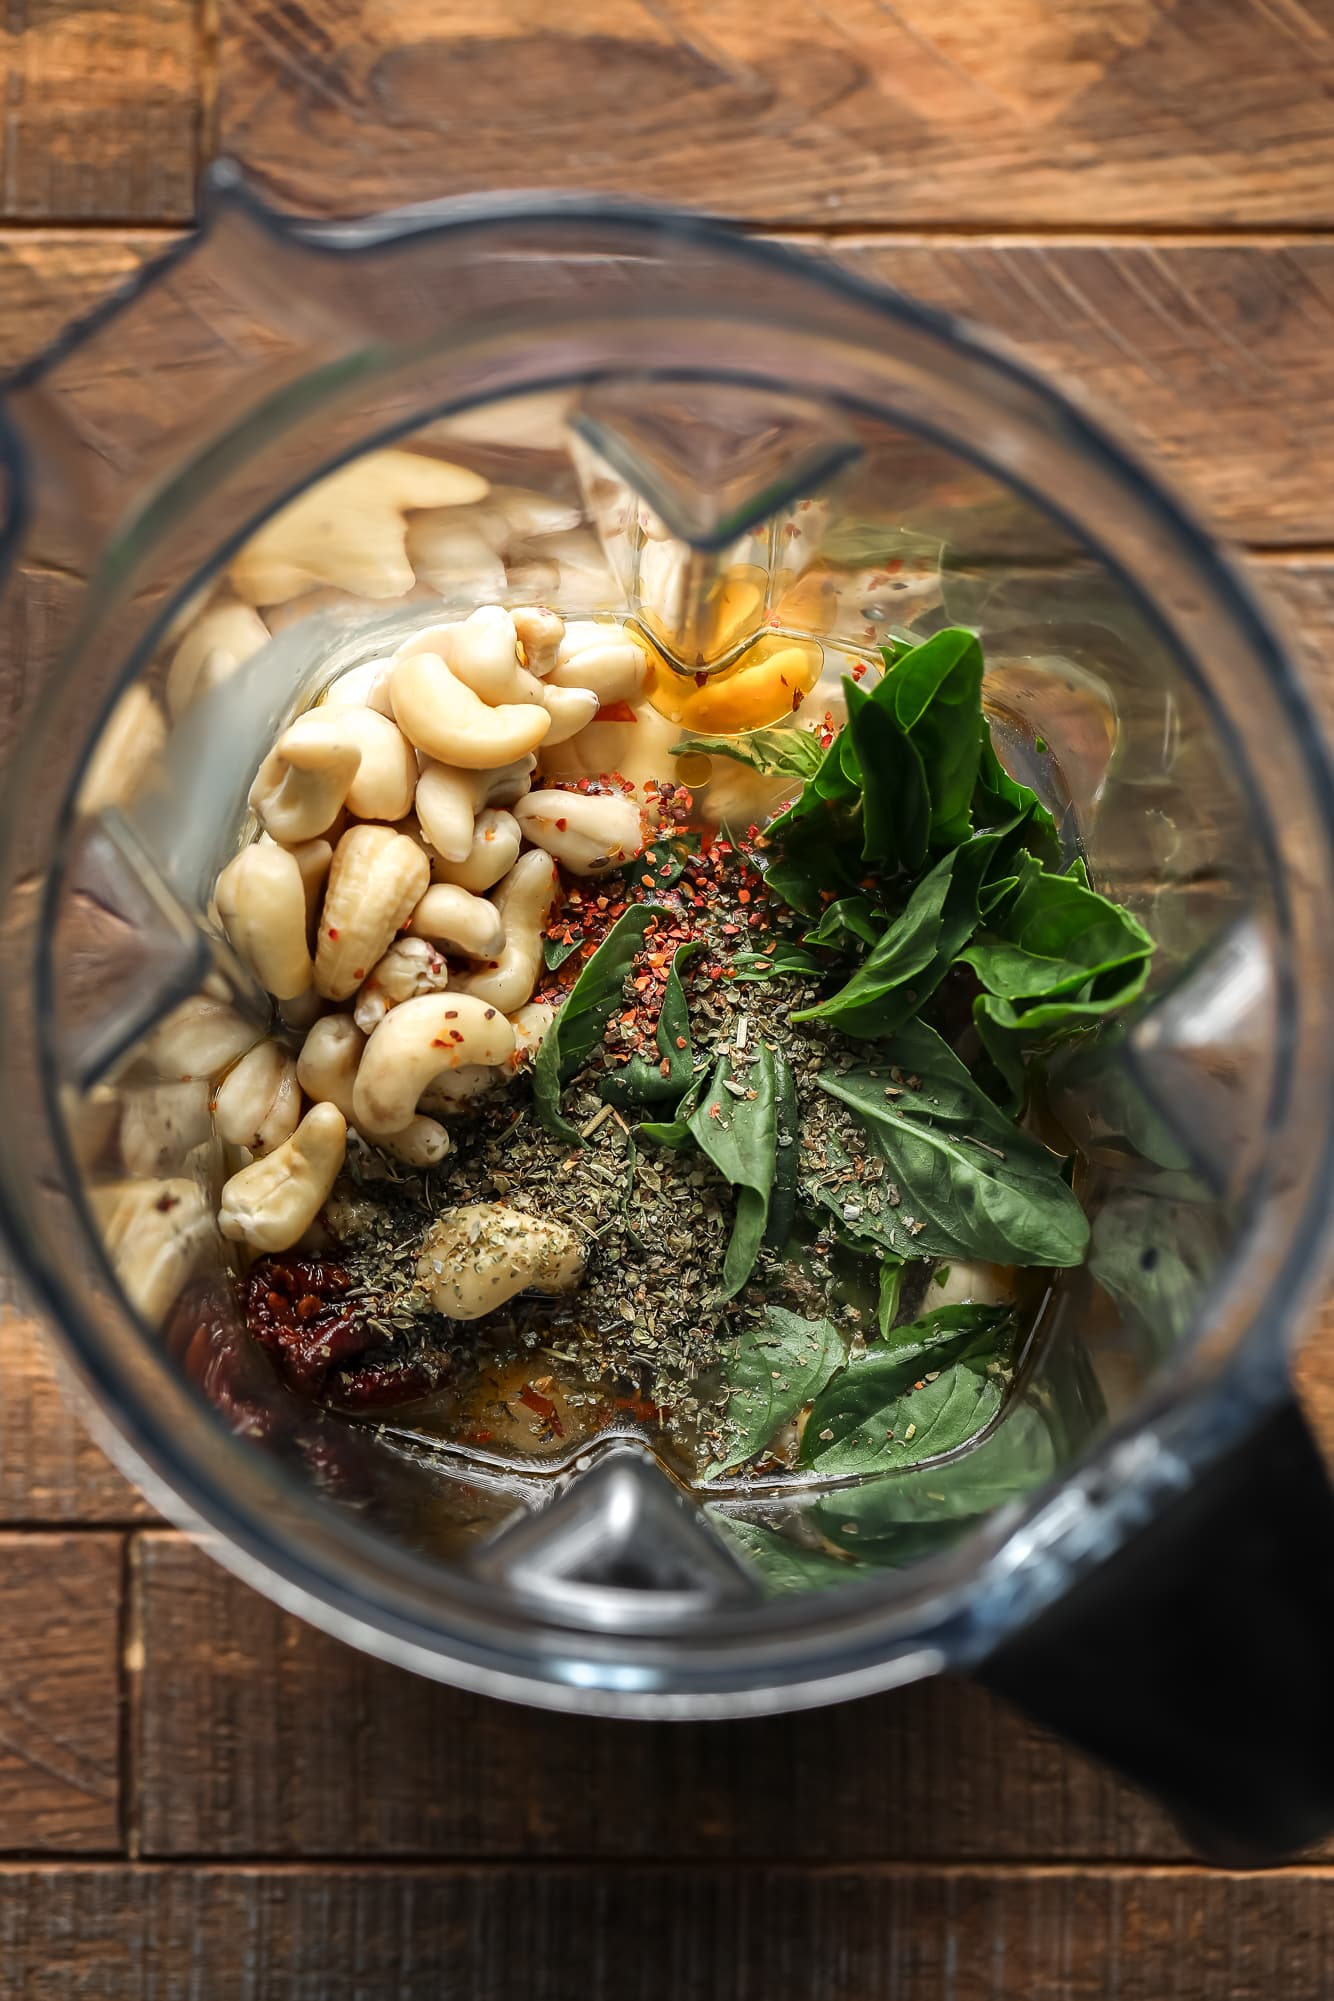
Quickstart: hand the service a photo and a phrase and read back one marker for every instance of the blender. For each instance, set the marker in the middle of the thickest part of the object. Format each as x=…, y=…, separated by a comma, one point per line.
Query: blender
x=287, y=446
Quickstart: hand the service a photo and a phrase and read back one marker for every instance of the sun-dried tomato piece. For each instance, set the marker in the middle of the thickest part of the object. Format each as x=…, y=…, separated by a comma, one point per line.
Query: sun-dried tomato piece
x=298, y=1311
x=384, y=1380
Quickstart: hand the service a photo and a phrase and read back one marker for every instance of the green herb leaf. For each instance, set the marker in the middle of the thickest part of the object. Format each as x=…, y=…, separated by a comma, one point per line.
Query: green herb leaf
x=782, y=1565
x=582, y=1019
x=771, y=1372
x=675, y=1132
x=937, y=695
x=785, y=961
x=848, y=921
x=896, y=805
x=640, y=1082
x=970, y=1183
x=664, y=860
x=1156, y=1254
x=912, y=957
x=773, y=752
x=941, y=1329
x=740, y=1137
x=887, y=1301
x=873, y=1415
x=556, y=951
x=1054, y=937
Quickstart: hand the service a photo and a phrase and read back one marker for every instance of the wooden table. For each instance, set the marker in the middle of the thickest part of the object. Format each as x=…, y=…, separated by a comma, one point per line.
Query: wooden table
x=199, y=1797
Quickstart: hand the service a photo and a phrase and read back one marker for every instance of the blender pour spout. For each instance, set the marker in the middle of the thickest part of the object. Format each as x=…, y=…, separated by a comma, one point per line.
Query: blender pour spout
x=708, y=499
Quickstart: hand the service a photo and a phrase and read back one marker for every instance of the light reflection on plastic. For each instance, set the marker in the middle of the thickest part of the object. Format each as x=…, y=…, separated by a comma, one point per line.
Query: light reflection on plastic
x=625, y=1680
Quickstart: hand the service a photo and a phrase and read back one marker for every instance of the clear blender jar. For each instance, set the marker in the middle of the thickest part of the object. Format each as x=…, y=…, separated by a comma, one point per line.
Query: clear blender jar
x=766, y=470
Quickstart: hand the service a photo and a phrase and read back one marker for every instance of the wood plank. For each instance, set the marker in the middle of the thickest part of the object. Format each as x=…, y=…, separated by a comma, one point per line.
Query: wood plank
x=1217, y=359
x=101, y=106
x=50, y=1470
x=635, y=1934
x=59, y=1693
x=50, y=277
x=916, y=113
x=258, y=1736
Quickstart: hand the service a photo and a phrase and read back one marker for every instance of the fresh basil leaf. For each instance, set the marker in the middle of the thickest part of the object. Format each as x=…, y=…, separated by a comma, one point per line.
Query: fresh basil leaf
x=887, y=1302
x=970, y=1183
x=640, y=1082
x=850, y=918
x=740, y=1136
x=937, y=696
x=785, y=961
x=940, y=1329
x=556, y=951
x=914, y=954
x=583, y=1016
x=783, y=1197
x=774, y=752
x=782, y=1565
x=1055, y=936
x=1010, y=1034
x=664, y=860
x=817, y=842
x=901, y=1517
x=771, y=1372
x=874, y=1414
x=1157, y=1255
x=675, y=1132
x=896, y=805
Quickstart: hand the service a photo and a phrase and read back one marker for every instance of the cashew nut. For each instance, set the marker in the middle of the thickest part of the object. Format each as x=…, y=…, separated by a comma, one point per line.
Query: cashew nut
x=261, y=897
x=313, y=859
x=364, y=687
x=540, y=633
x=423, y=1142
x=415, y=1042
x=570, y=710
x=161, y=1124
x=327, y=1068
x=453, y=1089
x=90, y=1118
x=157, y=1236
x=299, y=1014
x=638, y=751
x=386, y=777
x=258, y=1103
x=959, y=1282
x=603, y=658
x=349, y=529
x=531, y=1025
x=269, y=1204
x=475, y=1258
x=589, y=833
x=376, y=878
x=449, y=554
x=495, y=849
x=524, y=898
x=303, y=783
x=448, y=801
x=199, y=1039
x=215, y=646
x=128, y=747
x=410, y=967
x=452, y=916
x=327, y=1065
x=442, y=716
x=482, y=650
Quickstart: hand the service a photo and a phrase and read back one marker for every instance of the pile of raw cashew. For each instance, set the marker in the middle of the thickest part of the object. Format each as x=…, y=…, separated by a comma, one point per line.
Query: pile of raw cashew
x=395, y=900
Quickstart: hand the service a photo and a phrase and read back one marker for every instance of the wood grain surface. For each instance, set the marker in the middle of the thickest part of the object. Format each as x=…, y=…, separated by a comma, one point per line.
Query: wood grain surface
x=1060, y=112
x=578, y=1933
x=201, y=1799
x=102, y=110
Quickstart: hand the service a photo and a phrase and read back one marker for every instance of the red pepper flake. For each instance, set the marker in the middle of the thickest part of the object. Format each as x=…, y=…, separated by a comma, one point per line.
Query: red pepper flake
x=681, y=1043
x=543, y=1407
x=332, y=932
x=648, y=881
x=715, y=1110
x=561, y=825
x=743, y=896
x=613, y=712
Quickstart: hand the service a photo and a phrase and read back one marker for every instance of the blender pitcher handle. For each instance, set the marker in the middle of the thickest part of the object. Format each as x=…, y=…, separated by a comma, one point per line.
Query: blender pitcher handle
x=1199, y=1659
